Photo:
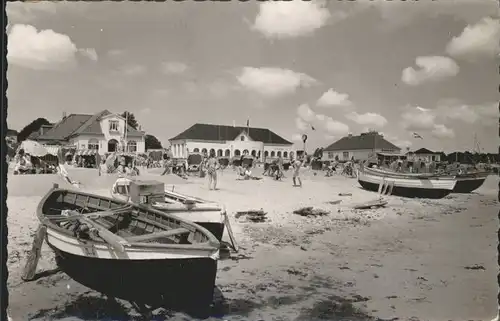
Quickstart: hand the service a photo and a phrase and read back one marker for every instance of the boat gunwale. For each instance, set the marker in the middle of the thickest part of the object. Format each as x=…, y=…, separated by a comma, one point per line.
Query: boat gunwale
x=399, y=181
x=211, y=244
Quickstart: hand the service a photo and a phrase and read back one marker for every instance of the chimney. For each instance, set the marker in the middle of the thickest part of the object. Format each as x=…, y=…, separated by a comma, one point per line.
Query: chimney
x=350, y=135
x=64, y=115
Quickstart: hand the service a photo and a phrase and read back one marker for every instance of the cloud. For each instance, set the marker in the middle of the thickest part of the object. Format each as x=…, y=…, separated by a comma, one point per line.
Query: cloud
x=133, y=70
x=368, y=119
x=273, y=82
x=44, y=50
x=297, y=138
x=174, y=67
x=301, y=124
x=416, y=119
x=432, y=68
x=332, y=98
x=23, y=12
x=115, y=52
x=146, y=111
x=442, y=132
x=285, y=19
x=89, y=53
x=336, y=128
x=401, y=143
x=453, y=110
x=477, y=41
x=306, y=113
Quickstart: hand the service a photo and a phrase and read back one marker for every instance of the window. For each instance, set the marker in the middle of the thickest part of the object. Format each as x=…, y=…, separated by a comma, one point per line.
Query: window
x=113, y=125
x=242, y=138
x=227, y=153
x=254, y=153
x=291, y=154
x=330, y=155
x=285, y=154
x=132, y=146
x=196, y=150
x=245, y=152
x=272, y=153
x=204, y=151
x=236, y=152
x=279, y=154
x=346, y=155
x=94, y=144
x=219, y=152
x=266, y=153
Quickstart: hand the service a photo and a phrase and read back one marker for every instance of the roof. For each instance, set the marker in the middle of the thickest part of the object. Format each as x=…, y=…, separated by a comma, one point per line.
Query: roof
x=424, y=151
x=363, y=141
x=12, y=132
x=77, y=124
x=222, y=132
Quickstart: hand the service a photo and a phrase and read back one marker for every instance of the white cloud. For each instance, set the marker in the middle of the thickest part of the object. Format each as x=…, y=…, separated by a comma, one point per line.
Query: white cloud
x=283, y=19
x=368, y=119
x=174, y=67
x=441, y=131
x=301, y=124
x=39, y=50
x=336, y=128
x=23, y=12
x=333, y=98
x=273, y=82
x=297, y=137
x=480, y=40
x=432, y=68
x=416, y=119
x=89, y=53
x=116, y=52
x=133, y=70
x=451, y=109
x=401, y=143
x=306, y=113
x=320, y=117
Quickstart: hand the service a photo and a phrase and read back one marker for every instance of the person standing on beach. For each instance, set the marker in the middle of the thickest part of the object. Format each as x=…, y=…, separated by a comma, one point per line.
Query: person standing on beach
x=212, y=171
x=296, y=171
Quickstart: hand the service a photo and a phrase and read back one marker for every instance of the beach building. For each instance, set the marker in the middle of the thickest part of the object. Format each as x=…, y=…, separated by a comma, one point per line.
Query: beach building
x=102, y=132
x=230, y=141
x=425, y=155
x=359, y=147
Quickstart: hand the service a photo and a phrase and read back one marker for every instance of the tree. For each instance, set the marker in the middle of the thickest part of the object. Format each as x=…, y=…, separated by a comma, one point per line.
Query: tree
x=31, y=127
x=152, y=142
x=131, y=121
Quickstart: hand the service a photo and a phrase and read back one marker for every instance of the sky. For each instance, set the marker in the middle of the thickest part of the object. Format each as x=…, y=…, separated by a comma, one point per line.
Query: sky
x=321, y=68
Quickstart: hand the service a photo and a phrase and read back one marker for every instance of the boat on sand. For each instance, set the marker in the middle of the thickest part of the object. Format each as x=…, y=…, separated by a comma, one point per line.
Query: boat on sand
x=466, y=182
x=128, y=251
x=407, y=185
x=210, y=215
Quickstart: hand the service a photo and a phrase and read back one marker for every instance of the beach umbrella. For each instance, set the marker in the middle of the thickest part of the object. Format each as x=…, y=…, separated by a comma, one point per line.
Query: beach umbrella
x=33, y=148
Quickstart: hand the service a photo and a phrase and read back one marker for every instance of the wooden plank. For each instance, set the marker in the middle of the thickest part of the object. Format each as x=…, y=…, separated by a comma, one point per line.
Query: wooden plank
x=34, y=256
x=157, y=235
x=230, y=232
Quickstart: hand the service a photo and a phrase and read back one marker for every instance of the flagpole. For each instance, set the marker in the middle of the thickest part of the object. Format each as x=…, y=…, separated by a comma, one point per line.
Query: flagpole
x=125, y=133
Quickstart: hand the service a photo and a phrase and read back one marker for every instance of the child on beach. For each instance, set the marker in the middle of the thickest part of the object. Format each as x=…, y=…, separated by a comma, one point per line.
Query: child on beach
x=296, y=171
x=211, y=166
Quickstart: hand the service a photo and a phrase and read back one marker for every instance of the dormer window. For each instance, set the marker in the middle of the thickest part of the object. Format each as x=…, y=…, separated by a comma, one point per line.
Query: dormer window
x=242, y=138
x=113, y=125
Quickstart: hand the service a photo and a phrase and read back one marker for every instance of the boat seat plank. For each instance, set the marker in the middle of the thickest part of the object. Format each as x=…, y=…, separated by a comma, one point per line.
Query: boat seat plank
x=152, y=236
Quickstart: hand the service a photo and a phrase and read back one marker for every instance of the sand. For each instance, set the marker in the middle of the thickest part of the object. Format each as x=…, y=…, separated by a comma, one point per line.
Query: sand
x=413, y=260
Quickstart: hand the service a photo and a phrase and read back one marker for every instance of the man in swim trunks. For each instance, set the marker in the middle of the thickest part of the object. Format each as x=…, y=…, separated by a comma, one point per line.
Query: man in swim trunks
x=211, y=166
x=297, y=164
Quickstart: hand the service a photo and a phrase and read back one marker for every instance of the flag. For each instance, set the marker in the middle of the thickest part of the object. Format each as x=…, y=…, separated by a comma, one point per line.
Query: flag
x=248, y=122
x=415, y=135
x=312, y=127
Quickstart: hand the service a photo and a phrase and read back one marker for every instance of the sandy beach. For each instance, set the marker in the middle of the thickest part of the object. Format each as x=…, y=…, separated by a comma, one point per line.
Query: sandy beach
x=412, y=260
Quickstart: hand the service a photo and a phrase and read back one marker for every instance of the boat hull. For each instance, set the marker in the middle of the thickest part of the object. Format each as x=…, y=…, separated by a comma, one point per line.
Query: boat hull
x=409, y=187
x=468, y=185
x=185, y=284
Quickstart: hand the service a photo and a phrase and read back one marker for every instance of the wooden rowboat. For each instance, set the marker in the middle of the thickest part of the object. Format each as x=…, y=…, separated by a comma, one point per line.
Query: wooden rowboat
x=466, y=183
x=407, y=186
x=130, y=252
x=210, y=215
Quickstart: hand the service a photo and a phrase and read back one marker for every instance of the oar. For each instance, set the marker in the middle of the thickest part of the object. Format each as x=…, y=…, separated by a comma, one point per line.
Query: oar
x=117, y=242
x=75, y=215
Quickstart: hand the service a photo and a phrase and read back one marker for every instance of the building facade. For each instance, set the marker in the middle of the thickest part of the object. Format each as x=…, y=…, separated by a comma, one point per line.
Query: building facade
x=230, y=141
x=359, y=148
x=104, y=132
x=423, y=154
